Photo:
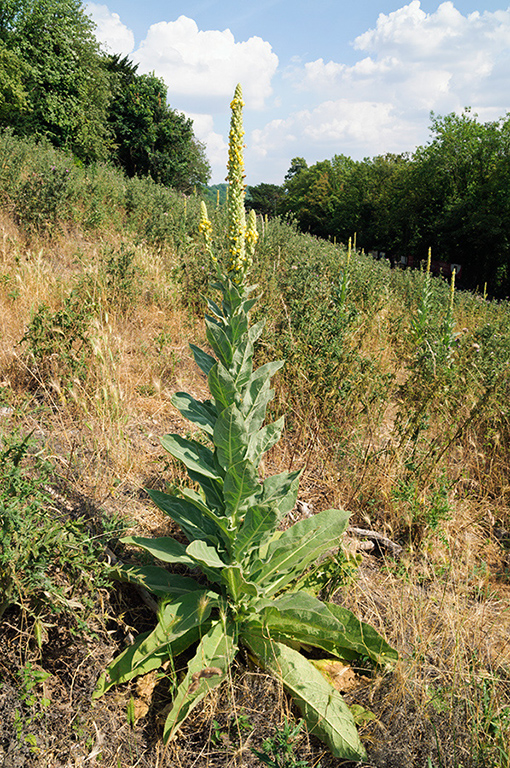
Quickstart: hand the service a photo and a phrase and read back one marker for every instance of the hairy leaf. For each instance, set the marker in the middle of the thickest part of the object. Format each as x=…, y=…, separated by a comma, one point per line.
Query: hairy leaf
x=219, y=342
x=222, y=387
x=230, y=437
x=164, y=548
x=259, y=521
x=300, y=617
x=206, y=670
x=178, y=626
x=193, y=455
x=282, y=489
x=324, y=710
x=203, y=414
x=195, y=518
x=241, y=483
x=264, y=439
x=204, y=361
x=159, y=581
x=288, y=556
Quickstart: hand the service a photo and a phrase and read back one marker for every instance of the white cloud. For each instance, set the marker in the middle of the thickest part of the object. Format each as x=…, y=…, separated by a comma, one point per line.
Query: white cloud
x=419, y=61
x=341, y=125
x=207, y=65
x=110, y=31
x=203, y=128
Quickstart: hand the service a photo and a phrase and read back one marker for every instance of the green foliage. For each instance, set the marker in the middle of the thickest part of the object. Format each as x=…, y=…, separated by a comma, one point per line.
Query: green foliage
x=232, y=529
x=48, y=564
x=62, y=74
x=279, y=750
x=150, y=138
x=58, y=343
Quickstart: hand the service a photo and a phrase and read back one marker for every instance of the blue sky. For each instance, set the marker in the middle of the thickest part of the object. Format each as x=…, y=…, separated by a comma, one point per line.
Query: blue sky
x=320, y=77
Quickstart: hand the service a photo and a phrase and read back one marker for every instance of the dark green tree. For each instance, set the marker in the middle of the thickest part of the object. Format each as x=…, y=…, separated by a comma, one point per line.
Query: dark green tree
x=151, y=138
x=62, y=87
x=264, y=198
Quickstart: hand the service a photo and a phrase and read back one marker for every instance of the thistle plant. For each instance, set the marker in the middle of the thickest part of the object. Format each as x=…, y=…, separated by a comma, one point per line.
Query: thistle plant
x=247, y=594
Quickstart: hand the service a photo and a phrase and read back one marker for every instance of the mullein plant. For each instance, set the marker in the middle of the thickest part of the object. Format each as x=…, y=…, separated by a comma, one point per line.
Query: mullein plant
x=246, y=595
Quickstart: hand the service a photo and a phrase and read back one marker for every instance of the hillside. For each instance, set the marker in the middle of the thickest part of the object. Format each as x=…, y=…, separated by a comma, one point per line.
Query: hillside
x=395, y=392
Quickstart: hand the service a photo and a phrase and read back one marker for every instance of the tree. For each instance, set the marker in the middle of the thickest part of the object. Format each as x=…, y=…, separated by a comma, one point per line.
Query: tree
x=264, y=198
x=62, y=75
x=152, y=139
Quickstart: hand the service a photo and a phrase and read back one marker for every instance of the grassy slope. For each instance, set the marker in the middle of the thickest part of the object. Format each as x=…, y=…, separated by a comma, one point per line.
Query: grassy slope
x=410, y=435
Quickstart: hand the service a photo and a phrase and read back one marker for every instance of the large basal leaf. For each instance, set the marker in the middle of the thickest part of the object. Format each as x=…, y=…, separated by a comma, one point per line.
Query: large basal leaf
x=194, y=456
x=204, y=361
x=179, y=624
x=164, y=548
x=195, y=518
x=240, y=484
x=287, y=557
x=203, y=414
x=230, y=437
x=159, y=581
x=325, y=712
x=206, y=670
x=300, y=617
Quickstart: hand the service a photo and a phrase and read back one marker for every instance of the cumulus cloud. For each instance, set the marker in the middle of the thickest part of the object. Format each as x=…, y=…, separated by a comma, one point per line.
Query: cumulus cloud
x=203, y=128
x=207, y=65
x=421, y=61
x=345, y=125
x=110, y=31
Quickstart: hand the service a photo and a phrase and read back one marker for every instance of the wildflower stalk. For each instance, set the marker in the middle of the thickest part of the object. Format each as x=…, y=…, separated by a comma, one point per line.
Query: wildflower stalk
x=236, y=218
x=233, y=527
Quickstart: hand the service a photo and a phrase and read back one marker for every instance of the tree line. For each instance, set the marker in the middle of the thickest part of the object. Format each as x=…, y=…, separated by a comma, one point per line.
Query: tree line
x=57, y=84
x=452, y=195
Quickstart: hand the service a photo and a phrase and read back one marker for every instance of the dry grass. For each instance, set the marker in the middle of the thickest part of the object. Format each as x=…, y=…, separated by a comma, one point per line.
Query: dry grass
x=444, y=605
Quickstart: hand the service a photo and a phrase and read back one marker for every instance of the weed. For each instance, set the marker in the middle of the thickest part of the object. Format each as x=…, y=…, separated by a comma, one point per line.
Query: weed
x=48, y=565
x=279, y=750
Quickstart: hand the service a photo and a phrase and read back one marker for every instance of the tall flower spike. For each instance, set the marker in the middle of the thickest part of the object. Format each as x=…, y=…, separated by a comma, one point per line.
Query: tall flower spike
x=251, y=238
x=235, y=178
x=205, y=229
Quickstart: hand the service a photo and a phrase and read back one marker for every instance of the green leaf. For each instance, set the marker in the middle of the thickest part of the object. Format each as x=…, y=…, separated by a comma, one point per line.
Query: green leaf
x=300, y=617
x=230, y=437
x=193, y=455
x=158, y=580
x=179, y=624
x=289, y=555
x=203, y=414
x=240, y=484
x=259, y=521
x=215, y=653
x=236, y=583
x=192, y=516
x=212, y=490
x=204, y=554
x=219, y=342
x=264, y=439
x=222, y=387
x=323, y=708
x=282, y=489
x=204, y=361
x=164, y=548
